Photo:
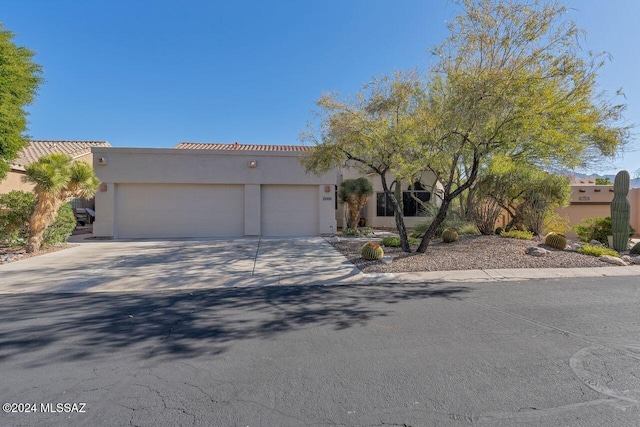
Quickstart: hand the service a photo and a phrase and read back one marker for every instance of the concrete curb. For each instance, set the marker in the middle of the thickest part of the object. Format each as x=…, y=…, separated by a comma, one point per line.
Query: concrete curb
x=491, y=275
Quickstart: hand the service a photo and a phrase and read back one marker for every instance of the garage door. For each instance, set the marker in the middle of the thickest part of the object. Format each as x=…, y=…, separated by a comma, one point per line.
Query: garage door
x=289, y=210
x=179, y=210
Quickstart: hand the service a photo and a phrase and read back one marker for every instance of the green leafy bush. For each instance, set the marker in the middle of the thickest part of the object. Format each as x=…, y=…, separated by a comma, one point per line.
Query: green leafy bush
x=61, y=228
x=517, y=234
x=597, y=229
x=394, y=241
x=596, y=250
x=15, y=211
x=363, y=231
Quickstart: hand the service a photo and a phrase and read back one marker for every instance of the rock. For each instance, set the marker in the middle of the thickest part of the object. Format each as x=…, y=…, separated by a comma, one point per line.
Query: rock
x=573, y=246
x=613, y=260
x=334, y=239
x=536, y=251
x=630, y=259
x=386, y=259
x=596, y=243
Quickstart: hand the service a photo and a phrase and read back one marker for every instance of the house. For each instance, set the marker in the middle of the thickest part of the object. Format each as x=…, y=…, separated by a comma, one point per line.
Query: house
x=378, y=212
x=589, y=200
x=211, y=190
x=228, y=190
x=78, y=150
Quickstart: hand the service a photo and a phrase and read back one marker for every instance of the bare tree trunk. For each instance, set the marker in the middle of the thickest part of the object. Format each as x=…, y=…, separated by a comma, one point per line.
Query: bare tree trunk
x=353, y=213
x=402, y=230
x=437, y=221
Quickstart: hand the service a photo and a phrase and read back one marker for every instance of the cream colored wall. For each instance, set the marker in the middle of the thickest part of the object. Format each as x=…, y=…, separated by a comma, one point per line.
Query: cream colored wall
x=15, y=181
x=171, y=166
x=591, y=203
x=370, y=210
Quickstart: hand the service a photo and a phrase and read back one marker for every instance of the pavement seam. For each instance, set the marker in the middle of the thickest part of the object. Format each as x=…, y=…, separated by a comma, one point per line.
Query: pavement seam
x=255, y=259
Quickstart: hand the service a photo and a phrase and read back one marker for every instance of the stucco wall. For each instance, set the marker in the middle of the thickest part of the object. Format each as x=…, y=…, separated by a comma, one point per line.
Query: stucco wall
x=15, y=181
x=173, y=166
x=595, y=201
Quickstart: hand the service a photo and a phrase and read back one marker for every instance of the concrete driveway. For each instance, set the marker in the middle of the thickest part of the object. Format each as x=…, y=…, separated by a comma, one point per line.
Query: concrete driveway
x=178, y=264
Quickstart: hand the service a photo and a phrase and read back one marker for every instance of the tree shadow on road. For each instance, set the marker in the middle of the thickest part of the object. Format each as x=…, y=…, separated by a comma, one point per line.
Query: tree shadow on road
x=40, y=329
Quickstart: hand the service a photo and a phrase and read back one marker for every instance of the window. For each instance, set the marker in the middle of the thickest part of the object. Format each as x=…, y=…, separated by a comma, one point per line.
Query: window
x=410, y=207
x=75, y=202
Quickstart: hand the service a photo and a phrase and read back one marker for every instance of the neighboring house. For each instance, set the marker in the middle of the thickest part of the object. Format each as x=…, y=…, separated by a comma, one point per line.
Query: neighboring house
x=78, y=150
x=589, y=200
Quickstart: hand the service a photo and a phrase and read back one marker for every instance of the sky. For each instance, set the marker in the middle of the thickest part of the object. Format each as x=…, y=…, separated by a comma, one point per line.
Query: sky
x=153, y=73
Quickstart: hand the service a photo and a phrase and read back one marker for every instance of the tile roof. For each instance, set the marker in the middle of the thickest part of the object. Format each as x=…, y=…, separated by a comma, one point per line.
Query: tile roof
x=243, y=147
x=37, y=149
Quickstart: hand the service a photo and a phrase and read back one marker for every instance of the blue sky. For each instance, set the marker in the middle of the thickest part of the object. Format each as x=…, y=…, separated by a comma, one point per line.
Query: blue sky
x=154, y=73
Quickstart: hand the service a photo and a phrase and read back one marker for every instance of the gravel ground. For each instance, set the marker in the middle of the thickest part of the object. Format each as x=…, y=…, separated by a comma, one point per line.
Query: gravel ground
x=468, y=253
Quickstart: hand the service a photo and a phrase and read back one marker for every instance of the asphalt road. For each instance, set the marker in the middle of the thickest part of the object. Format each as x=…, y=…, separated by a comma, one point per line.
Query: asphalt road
x=543, y=353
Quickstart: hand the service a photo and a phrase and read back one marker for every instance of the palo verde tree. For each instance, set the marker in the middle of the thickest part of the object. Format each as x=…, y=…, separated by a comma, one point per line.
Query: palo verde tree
x=57, y=178
x=511, y=80
x=370, y=132
x=20, y=77
x=355, y=193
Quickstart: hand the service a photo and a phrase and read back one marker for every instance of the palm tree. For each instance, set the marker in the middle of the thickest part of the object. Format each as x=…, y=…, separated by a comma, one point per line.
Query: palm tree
x=355, y=193
x=57, y=178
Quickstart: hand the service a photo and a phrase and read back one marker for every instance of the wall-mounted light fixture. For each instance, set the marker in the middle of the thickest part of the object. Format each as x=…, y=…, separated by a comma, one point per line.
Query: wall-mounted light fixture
x=252, y=164
x=102, y=160
x=103, y=187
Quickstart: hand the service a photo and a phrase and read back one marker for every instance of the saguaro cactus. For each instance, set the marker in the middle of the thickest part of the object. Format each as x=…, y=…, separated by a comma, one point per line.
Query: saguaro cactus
x=620, y=212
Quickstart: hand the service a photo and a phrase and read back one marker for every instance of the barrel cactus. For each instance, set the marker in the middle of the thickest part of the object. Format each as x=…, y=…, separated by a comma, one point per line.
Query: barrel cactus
x=620, y=211
x=449, y=235
x=556, y=241
x=371, y=251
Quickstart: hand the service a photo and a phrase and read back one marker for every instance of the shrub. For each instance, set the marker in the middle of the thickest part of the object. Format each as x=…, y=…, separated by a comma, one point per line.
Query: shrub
x=635, y=250
x=61, y=228
x=469, y=228
x=365, y=231
x=499, y=230
x=596, y=250
x=556, y=241
x=597, y=229
x=452, y=220
x=371, y=251
x=15, y=212
x=518, y=234
x=556, y=223
x=449, y=235
x=394, y=241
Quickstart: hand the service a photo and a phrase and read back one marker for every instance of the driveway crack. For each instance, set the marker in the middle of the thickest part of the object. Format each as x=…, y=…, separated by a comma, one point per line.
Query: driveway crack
x=255, y=259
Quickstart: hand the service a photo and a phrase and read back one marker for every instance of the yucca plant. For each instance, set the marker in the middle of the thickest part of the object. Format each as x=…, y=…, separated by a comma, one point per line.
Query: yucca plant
x=57, y=178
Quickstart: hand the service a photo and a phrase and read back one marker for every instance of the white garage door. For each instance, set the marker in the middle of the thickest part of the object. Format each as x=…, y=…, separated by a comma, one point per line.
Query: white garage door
x=289, y=210
x=179, y=210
